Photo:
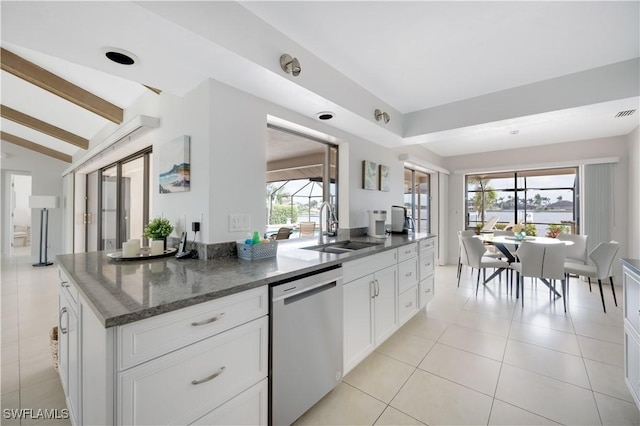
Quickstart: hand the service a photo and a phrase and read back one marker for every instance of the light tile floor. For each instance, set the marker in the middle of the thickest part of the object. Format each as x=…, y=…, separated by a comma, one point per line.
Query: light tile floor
x=29, y=311
x=466, y=360
x=485, y=360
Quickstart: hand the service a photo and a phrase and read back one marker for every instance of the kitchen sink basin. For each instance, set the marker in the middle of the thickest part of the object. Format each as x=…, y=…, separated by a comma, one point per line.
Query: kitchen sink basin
x=342, y=246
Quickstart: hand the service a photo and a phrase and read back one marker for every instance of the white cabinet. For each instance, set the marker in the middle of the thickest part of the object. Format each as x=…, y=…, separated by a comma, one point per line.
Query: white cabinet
x=426, y=267
x=370, y=304
x=631, y=313
x=69, y=346
x=204, y=364
x=407, y=282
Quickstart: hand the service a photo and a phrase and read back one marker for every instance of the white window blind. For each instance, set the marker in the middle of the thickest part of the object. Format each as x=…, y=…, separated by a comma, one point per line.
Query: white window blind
x=598, y=199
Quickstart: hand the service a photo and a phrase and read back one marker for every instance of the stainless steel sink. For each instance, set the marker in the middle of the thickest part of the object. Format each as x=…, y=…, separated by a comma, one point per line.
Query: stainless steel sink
x=342, y=246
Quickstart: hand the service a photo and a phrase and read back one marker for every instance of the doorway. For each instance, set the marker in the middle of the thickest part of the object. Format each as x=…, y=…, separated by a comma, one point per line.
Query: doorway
x=20, y=230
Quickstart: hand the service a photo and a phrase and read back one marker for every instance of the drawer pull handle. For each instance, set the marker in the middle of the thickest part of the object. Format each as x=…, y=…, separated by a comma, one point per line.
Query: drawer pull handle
x=211, y=377
x=62, y=312
x=408, y=274
x=65, y=284
x=208, y=321
x=408, y=305
x=428, y=290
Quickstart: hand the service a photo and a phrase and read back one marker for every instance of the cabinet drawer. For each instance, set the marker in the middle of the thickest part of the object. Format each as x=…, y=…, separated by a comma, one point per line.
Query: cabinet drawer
x=407, y=252
x=360, y=267
x=425, y=291
x=407, y=274
x=182, y=386
x=632, y=365
x=427, y=244
x=152, y=337
x=408, y=305
x=68, y=288
x=248, y=408
x=427, y=265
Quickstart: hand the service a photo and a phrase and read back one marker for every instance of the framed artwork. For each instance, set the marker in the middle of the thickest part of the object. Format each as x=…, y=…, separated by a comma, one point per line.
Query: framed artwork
x=369, y=175
x=175, y=166
x=385, y=185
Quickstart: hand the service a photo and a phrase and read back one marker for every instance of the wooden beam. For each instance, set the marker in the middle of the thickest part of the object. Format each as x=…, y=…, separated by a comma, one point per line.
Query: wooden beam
x=46, y=80
x=153, y=89
x=34, y=147
x=41, y=126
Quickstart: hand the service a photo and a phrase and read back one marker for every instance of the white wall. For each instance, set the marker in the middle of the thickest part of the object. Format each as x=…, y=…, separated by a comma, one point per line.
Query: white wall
x=570, y=153
x=22, y=212
x=634, y=194
x=46, y=174
x=228, y=162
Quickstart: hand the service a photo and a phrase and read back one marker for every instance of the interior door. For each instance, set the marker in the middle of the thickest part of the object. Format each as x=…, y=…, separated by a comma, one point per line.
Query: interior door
x=91, y=213
x=109, y=206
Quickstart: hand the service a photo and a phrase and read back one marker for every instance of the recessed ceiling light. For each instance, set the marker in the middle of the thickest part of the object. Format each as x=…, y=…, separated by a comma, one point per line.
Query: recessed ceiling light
x=515, y=132
x=325, y=115
x=120, y=56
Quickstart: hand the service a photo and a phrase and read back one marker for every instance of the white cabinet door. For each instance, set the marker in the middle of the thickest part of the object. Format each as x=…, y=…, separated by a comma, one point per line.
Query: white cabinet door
x=632, y=365
x=385, y=311
x=73, y=331
x=358, y=317
x=68, y=354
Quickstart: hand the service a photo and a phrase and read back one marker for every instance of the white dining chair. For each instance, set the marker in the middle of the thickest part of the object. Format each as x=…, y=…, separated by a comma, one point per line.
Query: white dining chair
x=577, y=251
x=545, y=261
x=473, y=254
x=463, y=233
x=602, y=257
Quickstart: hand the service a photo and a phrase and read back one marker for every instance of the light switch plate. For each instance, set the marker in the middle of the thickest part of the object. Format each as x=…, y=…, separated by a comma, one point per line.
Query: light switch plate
x=239, y=222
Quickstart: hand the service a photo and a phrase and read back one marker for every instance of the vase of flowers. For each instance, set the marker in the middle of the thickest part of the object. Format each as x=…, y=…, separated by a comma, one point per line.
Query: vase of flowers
x=519, y=232
x=158, y=229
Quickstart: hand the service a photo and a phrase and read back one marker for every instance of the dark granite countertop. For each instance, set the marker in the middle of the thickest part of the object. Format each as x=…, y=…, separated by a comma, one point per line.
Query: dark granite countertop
x=123, y=292
x=633, y=264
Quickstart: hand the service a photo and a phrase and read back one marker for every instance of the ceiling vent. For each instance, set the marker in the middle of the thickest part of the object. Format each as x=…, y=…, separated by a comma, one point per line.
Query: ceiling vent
x=625, y=113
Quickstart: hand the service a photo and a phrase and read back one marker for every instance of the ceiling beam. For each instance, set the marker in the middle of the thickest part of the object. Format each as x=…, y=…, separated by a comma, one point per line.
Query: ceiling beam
x=153, y=89
x=7, y=137
x=46, y=80
x=41, y=126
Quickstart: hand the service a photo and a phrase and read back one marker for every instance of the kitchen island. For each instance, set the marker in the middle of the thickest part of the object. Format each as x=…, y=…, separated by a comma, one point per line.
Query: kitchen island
x=138, y=335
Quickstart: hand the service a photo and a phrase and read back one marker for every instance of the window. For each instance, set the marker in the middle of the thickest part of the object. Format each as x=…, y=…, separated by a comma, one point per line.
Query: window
x=124, y=200
x=302, y=172
x=417, y=198
x=542, y=199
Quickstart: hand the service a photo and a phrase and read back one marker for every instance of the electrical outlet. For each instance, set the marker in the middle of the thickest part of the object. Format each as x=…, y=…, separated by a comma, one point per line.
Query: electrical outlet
x=239, y=222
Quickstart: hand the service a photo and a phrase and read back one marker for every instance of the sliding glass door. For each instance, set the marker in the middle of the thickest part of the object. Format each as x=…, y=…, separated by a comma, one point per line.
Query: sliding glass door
x=124, y=200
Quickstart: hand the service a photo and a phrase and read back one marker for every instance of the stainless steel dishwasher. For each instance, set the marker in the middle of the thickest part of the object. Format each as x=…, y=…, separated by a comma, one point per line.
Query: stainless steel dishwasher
x=306, y=343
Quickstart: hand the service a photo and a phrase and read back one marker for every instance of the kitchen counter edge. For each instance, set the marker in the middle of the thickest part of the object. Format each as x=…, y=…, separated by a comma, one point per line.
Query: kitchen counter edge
x=68, y=262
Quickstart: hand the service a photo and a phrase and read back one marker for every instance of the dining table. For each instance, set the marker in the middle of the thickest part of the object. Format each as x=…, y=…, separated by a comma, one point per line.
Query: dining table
x=501, y=242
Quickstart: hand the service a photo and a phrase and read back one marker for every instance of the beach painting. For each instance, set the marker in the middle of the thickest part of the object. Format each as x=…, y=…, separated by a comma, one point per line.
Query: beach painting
x=174, y=166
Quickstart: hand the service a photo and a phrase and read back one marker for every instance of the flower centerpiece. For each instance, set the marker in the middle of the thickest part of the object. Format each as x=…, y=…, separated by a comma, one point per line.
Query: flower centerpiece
x=519, y=232
x=158, y=229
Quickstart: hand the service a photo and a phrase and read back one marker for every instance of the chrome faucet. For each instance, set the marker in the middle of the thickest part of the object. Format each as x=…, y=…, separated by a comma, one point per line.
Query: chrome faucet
x=321, y=219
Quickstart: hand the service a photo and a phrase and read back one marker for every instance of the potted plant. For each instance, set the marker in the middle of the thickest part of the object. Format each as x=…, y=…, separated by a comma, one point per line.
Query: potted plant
x=158, y=229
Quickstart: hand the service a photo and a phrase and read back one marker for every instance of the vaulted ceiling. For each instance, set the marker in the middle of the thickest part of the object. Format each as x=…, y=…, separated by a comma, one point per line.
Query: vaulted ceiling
x=433, y=66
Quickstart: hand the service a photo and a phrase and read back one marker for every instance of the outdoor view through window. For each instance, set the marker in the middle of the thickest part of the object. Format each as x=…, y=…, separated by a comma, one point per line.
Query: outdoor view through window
x=301, y=174
x=545, y=201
